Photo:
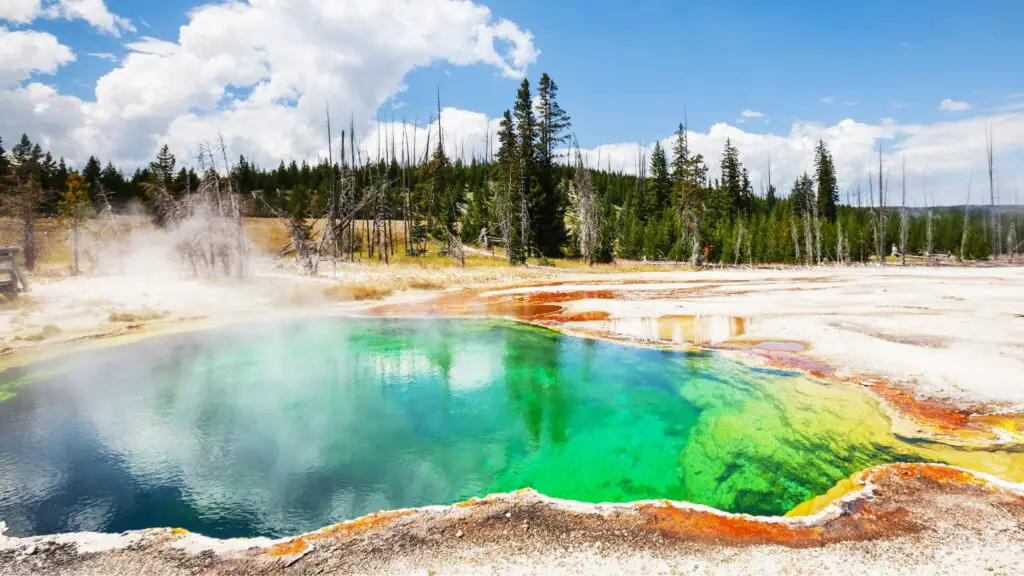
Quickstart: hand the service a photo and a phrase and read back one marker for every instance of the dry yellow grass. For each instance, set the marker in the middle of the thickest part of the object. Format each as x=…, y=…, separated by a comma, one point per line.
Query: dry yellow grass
x=358, y=291
x=270, y=236
x=48, y=331
x=142, y=316
x=429, y=283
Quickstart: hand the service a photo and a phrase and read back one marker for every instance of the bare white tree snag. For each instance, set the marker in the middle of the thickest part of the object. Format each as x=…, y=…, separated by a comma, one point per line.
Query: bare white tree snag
x=904, y=223
x=881, y=209
x=695, y=239
x=739, y=242
x=587, y=213
x=967, y=213
x=994, y=214
x=808, y=233
x=22, y=204
x=817, y=231
x=839, y=242
x=795, y=233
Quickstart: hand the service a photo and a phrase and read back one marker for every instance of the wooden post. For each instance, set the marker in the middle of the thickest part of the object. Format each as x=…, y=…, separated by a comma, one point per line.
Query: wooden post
x=14, y=278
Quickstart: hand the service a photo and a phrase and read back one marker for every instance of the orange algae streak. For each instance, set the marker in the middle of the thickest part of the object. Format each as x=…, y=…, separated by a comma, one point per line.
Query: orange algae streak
x=358, y=526
x=686, y=523
x=290, y=548
x=926, y=412
x=935, y=472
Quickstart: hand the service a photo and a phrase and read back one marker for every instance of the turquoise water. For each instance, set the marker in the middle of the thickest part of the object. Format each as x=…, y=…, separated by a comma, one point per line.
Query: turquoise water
x=279, y=428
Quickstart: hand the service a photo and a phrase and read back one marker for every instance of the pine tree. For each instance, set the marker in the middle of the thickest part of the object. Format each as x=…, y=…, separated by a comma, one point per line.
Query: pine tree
x=74, y=207
x=60, y=175
x=508, y=189
x=92, y=171
x=680, y=162
x=4, y=162
x=660, y=193
x=731, y=185
x=802, y=194
x=828, y=187
x=547, y=203
x=162, y=168
x=25, y=160
x=526, y=140
x=112, y=183
x=26, y=194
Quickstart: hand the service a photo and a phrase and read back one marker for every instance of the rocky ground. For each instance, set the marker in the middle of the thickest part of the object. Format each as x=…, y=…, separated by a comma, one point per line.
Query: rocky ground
x=920, y=519
x=947, y=337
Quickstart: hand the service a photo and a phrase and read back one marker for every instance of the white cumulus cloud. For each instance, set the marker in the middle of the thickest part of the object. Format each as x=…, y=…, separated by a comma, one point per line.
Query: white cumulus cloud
x=950, y=105
x=102, y=56
x=24, y=52
x=20, y=11
x=939, y=156
x=751, y=114
x=261, y=73
x=95, y=12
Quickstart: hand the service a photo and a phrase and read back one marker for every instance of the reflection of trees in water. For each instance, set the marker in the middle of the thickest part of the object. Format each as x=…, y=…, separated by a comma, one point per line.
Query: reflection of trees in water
x=534, y=385
x=439, y=352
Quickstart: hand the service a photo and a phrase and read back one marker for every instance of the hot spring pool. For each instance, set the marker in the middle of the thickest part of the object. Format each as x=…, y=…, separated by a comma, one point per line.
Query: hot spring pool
x=280, y=428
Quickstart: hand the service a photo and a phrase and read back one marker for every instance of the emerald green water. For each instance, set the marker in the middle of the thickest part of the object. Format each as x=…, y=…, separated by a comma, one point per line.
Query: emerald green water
x=280, y=428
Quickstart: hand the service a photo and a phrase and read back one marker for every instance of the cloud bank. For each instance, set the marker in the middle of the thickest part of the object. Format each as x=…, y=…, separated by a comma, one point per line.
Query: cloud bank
x=262, y=75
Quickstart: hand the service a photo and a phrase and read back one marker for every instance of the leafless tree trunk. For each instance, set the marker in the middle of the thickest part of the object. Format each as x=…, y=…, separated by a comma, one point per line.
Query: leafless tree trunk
x=904, y=224
x=817, y=231
x=795, y=233
x=839, y=242
x=994, y=215
x=881, y=209
x=695, y=242
x=808, y=234
x=588, y=217
x=967, y=213
x=739, y=242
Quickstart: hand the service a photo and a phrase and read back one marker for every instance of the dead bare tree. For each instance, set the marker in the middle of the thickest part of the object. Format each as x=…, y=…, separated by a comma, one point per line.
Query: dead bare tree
x=808, y=234
x=695, y=243
x=967, y=212
x=817, y=230
x=881, y=208
x=587, y=213
x=795, y=233
x=874, y=219
x=108, y=229
x=994, y=214
x=904, y=223
x=234, y=211
x=929, y=250
x=1011, y=242
x=739, y=242
x=839, y=242
x=22, y=202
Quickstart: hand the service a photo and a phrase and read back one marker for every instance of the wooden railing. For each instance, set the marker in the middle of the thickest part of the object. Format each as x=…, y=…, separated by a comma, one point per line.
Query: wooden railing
x=10, y=277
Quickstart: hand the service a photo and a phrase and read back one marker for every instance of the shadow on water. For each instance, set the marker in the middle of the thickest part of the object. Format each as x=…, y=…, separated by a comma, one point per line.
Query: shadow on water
x=280, y=428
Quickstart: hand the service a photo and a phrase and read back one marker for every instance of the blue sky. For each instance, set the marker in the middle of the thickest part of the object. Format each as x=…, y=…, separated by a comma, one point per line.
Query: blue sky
x=626, y=72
